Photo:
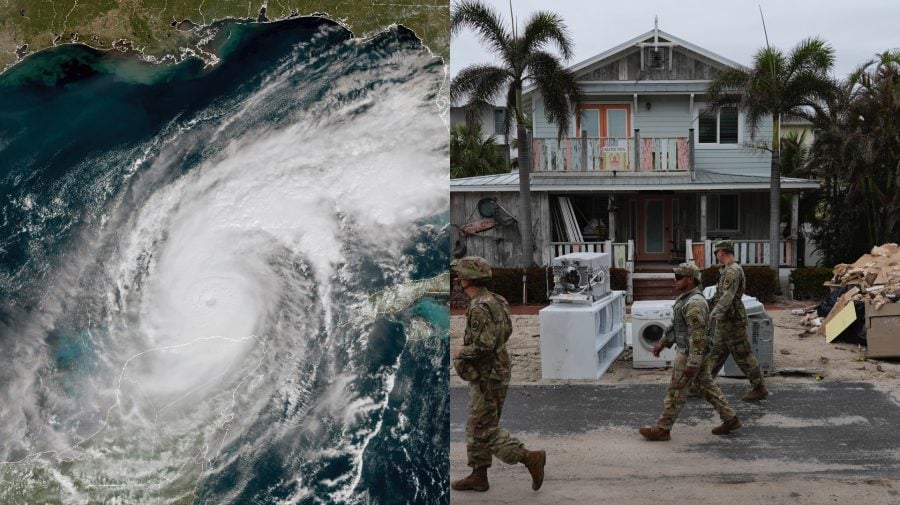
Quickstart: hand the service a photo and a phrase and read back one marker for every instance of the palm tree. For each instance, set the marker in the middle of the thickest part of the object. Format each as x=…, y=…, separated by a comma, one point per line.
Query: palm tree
x=777, y=85
x=858, y=150
x=523, y=58
x=473, y=154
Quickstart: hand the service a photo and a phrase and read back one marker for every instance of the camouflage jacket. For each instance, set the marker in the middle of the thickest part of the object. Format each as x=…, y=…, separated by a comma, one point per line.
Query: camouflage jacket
x=483, y=355
x=727, y=303
x=688, y=328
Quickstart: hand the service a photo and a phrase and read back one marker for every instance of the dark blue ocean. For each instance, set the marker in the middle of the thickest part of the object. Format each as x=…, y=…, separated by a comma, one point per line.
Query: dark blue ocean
x=189, y=256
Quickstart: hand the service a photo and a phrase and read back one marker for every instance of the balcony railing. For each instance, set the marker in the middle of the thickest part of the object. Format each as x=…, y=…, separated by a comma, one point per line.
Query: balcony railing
x=609, y=154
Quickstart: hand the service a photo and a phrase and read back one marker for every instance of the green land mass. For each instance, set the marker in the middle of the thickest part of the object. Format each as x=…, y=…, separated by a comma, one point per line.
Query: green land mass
x=174, y=29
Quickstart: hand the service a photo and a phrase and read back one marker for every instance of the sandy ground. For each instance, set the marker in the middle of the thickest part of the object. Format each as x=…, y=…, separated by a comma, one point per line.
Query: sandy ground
x=795, y=348
x=616, y=466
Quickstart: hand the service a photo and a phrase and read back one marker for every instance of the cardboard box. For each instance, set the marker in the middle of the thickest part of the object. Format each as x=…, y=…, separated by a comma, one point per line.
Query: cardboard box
x=883, y=330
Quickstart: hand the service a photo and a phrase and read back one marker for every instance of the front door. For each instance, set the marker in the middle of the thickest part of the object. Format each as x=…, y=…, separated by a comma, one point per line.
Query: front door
x=654, y=228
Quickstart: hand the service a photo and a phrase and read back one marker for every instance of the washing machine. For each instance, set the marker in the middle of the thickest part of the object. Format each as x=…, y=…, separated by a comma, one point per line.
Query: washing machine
x=649, y=319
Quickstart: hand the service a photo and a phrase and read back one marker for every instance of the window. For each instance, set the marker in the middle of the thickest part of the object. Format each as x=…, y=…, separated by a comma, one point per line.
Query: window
x=590, y=123
x=727, y=212
x=498, y=122
x=718, y=127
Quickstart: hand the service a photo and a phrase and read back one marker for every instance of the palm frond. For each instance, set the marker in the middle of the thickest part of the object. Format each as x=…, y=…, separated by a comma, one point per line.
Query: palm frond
x=544, y=28
x=478, y=83
x=557, y=86
x=485, y=21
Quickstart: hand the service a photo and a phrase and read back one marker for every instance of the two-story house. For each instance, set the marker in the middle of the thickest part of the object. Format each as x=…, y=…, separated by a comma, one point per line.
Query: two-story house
x=644, y=172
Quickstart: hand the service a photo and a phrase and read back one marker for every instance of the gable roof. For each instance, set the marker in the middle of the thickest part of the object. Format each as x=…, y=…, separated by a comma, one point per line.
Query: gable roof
x=648, y=37
x=645, y=37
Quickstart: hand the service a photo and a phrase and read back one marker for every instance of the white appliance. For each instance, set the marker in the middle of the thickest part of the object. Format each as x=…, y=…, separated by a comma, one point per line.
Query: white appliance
x=581, y=278
x=649, y=319
x=582, y=341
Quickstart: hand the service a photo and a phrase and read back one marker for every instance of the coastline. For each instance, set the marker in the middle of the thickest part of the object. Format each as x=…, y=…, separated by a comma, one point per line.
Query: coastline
x=198, y=37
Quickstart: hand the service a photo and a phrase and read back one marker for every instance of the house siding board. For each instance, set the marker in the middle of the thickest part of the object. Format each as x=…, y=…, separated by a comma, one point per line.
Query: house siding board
x=501, y=246
x=669, y=116
x=626, y=66
x=737, y=160
x=544, y=129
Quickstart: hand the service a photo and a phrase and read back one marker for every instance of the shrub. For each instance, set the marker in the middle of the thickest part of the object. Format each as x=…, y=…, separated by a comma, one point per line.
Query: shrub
x=761, y=281
x=807, y=282
x=618, y=279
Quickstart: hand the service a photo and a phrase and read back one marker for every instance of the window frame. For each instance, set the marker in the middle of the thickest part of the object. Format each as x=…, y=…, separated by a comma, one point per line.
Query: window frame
x=737, y=212
x=499, y=131
x=700, y=109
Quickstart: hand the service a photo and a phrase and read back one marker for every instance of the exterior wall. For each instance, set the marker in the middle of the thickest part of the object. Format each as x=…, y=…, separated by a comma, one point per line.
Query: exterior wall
x=669, y=115
x=501, y=246
x=735, y=159
x=806, y=129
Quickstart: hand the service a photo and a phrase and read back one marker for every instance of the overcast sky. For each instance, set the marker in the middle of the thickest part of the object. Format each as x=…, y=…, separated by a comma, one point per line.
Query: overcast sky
x=857, y=30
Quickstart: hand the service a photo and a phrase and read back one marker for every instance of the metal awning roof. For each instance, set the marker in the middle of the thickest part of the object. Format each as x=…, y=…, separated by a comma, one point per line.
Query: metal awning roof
x=705, y=181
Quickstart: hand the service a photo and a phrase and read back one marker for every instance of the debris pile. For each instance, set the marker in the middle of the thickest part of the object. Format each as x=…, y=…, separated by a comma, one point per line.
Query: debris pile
x=877, y=275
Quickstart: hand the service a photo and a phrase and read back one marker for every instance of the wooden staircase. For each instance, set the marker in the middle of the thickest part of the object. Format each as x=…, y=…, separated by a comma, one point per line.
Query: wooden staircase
x=654, y=282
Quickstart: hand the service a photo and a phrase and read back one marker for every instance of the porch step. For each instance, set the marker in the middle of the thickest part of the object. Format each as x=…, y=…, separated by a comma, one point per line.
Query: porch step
x=657, y=286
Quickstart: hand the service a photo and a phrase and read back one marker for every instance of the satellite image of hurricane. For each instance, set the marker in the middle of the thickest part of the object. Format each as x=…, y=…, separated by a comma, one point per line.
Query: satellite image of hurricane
x=225, y=284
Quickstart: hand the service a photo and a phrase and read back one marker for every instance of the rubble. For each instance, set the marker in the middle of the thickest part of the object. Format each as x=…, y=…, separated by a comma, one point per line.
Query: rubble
x=877, y=275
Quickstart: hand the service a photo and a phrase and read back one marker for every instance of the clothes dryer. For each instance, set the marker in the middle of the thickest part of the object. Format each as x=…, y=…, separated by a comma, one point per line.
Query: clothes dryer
x=649, y=319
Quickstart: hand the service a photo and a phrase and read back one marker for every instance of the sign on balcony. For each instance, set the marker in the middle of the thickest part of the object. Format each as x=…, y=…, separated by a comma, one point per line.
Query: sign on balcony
x=615, y=158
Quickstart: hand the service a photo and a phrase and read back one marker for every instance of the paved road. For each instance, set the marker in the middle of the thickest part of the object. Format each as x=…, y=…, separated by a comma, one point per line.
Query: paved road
x=845, y=435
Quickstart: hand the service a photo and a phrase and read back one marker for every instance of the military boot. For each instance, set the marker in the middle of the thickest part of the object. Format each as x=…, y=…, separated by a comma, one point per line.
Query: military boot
x=727, y=426
x=534, y=461
x=655, y=433
x=477, y=481
x=756, y=394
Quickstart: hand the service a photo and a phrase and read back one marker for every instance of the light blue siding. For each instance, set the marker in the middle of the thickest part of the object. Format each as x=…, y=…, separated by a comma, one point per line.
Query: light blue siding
x=739, y=159
x=669, y=116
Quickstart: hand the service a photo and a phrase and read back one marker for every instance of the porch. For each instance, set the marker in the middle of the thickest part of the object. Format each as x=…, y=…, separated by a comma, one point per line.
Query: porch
x=644, y=276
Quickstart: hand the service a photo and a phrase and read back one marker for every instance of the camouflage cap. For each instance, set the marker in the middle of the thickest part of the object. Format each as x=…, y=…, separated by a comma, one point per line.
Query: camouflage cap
x=687, y=270
x=724, y=244
x=472, y=268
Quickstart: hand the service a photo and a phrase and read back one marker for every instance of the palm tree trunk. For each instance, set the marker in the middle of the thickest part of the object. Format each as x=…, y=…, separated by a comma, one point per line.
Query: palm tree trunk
x=525, y=195
x=775, y=217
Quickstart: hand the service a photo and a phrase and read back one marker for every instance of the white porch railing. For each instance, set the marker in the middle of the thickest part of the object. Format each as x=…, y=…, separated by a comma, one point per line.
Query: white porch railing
x=607, y=154
x=746, y=252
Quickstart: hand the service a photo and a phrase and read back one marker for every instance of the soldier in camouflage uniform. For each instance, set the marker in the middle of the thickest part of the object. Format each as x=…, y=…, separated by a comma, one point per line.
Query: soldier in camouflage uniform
x=483, y=361
x=688, y=330
x=731, y=323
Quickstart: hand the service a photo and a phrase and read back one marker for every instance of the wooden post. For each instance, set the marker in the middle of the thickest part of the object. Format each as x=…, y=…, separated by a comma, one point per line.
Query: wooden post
x=584, y=152
x=702, y=216
x=637, y=150
x=611, y=215
x=795, y=215
x=691, y=154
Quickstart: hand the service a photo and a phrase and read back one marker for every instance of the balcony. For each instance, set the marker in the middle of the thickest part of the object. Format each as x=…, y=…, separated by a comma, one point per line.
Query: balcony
x=609, y=154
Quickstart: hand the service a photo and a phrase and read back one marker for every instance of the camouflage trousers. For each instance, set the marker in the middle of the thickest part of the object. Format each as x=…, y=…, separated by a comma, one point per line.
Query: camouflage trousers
x=484, y=436
x=676, y=395
x=731, y=339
